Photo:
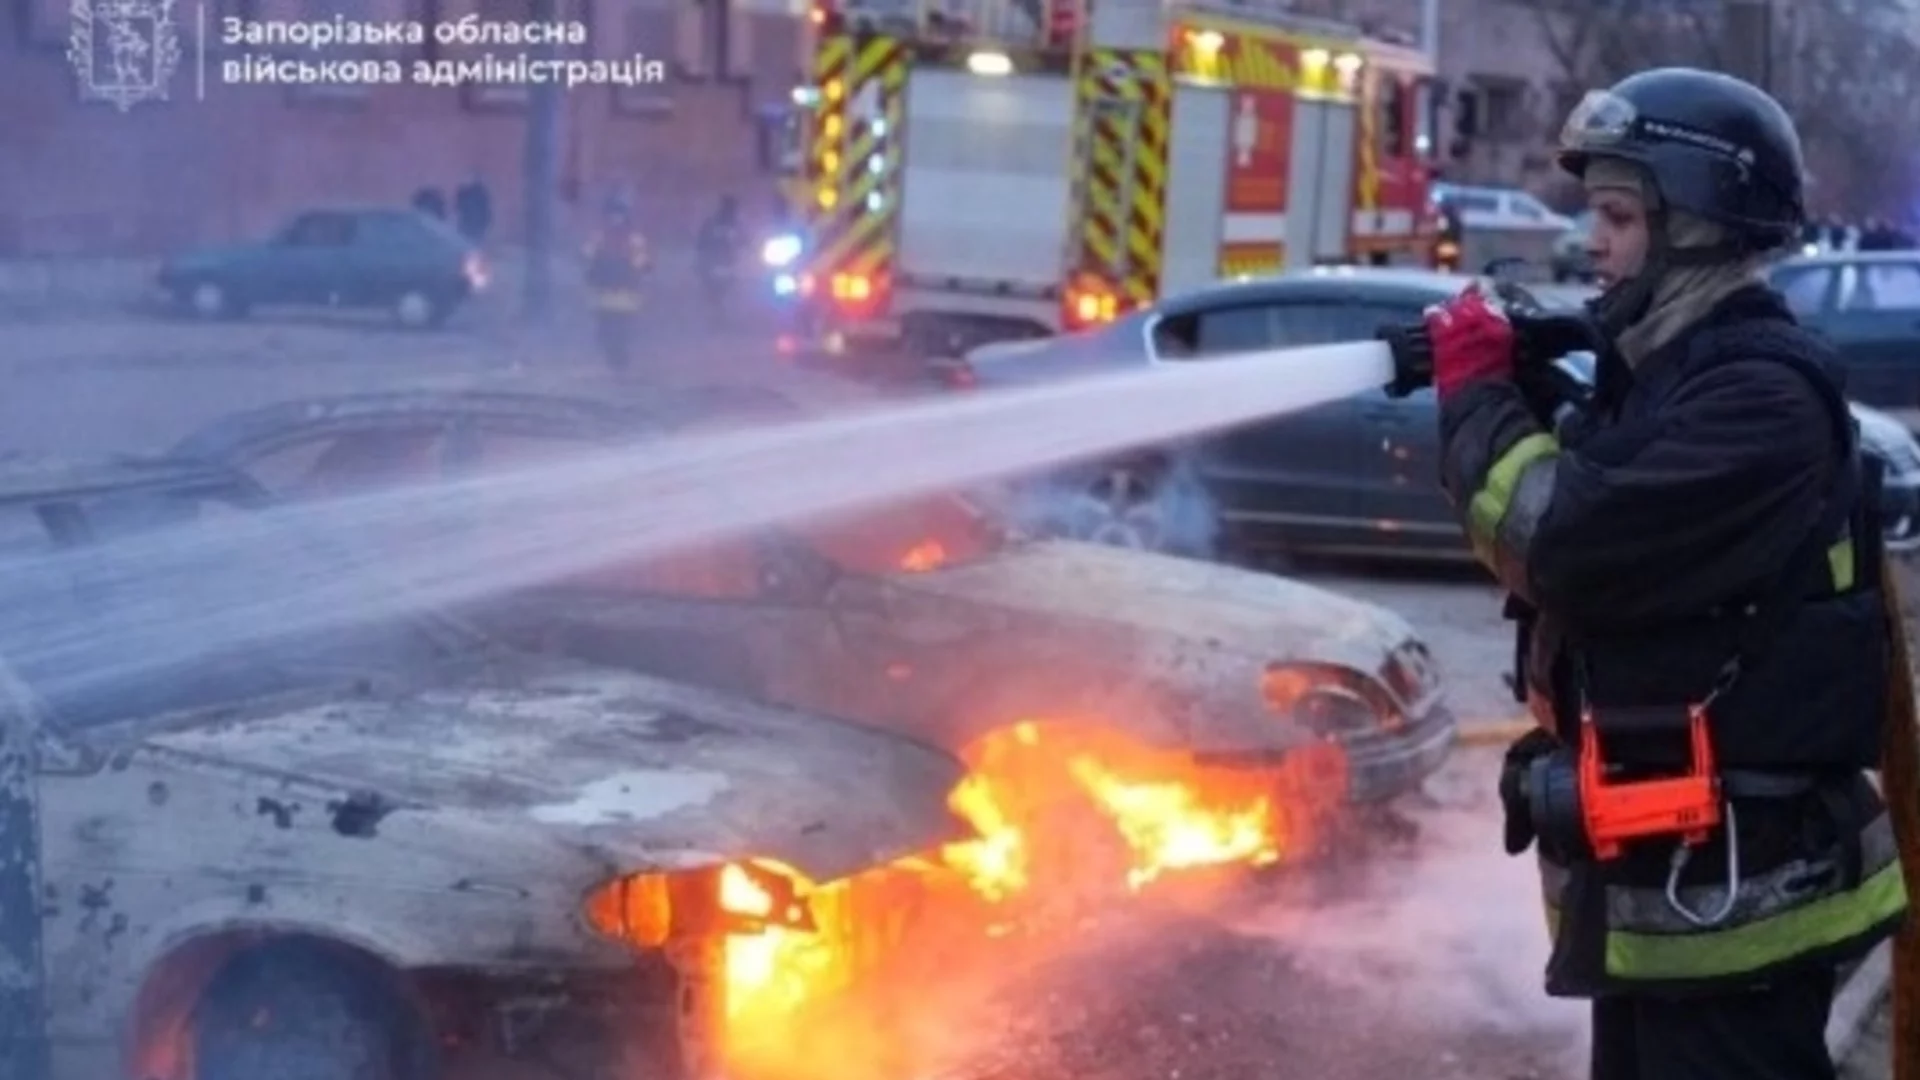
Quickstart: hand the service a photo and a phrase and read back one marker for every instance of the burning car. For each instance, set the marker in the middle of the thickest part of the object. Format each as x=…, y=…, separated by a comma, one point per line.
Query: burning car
x=1185, y=704
x=387, y=848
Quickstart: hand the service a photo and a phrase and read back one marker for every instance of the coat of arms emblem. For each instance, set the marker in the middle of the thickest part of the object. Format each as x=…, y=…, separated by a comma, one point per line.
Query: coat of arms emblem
x=124, y=51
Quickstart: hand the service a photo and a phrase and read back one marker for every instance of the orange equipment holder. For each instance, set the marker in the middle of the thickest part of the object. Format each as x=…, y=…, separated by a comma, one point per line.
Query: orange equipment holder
x=1617, y=812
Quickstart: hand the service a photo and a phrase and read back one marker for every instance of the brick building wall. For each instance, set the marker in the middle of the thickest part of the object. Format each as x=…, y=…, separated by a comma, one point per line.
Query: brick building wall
x=89, y=179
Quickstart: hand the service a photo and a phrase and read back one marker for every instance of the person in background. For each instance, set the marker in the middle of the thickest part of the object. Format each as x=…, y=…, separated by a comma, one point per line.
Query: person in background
x=429, y=201
x=617, y=266
x=473, y=208
x=717, y=249
x=1836, y=233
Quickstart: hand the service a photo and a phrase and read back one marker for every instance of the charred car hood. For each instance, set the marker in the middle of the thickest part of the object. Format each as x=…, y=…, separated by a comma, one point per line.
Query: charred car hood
x=1270, y=618
x=647, y=773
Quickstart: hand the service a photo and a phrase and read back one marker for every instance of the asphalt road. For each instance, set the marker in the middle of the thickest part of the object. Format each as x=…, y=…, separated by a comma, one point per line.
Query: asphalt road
x=1422, y=961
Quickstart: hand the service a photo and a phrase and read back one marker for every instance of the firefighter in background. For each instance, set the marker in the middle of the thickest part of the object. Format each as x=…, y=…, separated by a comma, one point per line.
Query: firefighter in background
x=1694, y=561
x=717, y=248
x=1446, y=246
x=617, y=266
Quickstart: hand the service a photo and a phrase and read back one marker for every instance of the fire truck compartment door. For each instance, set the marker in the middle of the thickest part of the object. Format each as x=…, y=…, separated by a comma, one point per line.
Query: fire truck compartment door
x=1196, y=187
x=1319, y=182
x=984, y=189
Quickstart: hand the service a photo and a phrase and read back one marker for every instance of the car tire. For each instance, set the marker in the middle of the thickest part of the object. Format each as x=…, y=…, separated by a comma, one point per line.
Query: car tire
x=1144, y=505
x=304, y=1010
x=417, y=309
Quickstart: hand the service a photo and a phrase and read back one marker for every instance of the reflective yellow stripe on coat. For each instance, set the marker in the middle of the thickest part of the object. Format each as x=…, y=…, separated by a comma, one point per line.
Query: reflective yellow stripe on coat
x=1774, y=922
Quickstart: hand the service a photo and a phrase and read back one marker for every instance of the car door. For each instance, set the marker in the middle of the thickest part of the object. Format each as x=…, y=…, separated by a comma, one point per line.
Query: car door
x=305, y=264
x=1876, y=324
x=1397, y=446
x=1292, y=473
x=394, y=252
x=374, y=266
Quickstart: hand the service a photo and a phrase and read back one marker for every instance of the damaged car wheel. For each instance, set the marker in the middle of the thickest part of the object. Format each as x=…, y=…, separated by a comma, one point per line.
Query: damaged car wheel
x=306, y=1011
x=1146, y=506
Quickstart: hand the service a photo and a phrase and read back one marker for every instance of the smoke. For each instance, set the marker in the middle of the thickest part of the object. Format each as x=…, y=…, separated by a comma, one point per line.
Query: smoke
x=1148, y=504
x=1450, y=935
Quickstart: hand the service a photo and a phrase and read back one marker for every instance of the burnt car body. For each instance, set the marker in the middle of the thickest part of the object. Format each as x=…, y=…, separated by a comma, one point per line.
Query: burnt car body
x=927, y=615
x=292, y=855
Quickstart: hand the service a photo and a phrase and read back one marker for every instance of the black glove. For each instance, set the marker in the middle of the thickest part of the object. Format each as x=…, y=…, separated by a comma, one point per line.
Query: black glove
x=1513, y=786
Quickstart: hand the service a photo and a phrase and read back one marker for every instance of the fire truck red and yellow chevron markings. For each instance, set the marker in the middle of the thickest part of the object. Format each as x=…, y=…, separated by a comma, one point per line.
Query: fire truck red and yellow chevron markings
x=1367, y=180
x=857, y=159
x=1124, y=96
x=872, y=177
x=828, y=134
x=1251, y=260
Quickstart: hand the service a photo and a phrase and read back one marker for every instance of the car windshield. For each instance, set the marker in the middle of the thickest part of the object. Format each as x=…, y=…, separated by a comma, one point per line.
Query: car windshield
x=911, y=536
x=127, y=625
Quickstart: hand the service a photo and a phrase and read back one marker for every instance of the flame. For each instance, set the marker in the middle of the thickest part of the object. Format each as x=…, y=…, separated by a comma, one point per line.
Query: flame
x=995, y=865
x=1064, y=815
x=923, y=556
x=1168, y=828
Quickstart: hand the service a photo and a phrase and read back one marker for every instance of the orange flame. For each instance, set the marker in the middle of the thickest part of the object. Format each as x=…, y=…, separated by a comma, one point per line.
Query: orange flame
x=1168, y=828
x=995, y=864
x=923, y=556
x=1062, y=813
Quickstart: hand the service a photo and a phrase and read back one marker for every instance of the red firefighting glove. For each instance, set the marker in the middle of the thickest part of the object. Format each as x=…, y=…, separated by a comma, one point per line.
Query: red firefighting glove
x=1472, y=340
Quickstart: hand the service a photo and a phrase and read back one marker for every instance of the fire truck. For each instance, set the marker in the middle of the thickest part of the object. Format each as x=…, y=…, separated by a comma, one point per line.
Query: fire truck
x=1014, y=171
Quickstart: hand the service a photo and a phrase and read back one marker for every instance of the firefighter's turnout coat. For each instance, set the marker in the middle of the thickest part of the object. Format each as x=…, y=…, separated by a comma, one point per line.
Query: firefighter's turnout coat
x=1643, y=540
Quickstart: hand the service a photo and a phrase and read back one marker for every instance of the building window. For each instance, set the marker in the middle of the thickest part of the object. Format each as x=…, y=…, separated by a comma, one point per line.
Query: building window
x=1504, y=105
x=652, y=31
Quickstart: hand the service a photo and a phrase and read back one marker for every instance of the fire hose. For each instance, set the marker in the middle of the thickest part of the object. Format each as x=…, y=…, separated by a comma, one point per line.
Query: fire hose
x=1900, y=783
x=1542, y=337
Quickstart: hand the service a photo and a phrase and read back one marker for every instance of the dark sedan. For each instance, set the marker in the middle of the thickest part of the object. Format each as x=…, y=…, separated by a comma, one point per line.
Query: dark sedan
x=378, y=258
x=1868, y=304
x=1357, y=476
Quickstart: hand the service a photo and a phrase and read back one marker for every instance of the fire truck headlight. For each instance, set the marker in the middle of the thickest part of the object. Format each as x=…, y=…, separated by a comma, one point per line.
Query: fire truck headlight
x=780, y=250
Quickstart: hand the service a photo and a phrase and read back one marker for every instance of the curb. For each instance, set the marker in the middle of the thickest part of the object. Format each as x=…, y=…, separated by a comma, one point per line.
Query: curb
x=1496, y=733
x=1859, y=997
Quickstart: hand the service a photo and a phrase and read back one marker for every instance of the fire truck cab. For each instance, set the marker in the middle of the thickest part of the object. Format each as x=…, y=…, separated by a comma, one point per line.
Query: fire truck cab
x=999, y=171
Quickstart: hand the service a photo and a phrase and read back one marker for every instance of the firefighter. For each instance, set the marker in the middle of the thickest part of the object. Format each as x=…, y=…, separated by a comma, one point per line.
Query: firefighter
x=1694, y=542
x=617, y=265
x=718, y=250
x=1452, y=235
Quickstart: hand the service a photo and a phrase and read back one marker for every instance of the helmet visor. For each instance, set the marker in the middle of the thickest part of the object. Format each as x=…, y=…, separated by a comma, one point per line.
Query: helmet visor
x=1601, y=120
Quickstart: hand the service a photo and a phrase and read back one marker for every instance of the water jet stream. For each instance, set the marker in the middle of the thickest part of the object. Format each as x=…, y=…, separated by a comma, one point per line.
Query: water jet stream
x=188, y=592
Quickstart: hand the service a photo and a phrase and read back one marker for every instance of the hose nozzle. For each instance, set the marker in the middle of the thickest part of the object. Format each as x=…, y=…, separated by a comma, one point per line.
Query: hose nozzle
x=1412, y=349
